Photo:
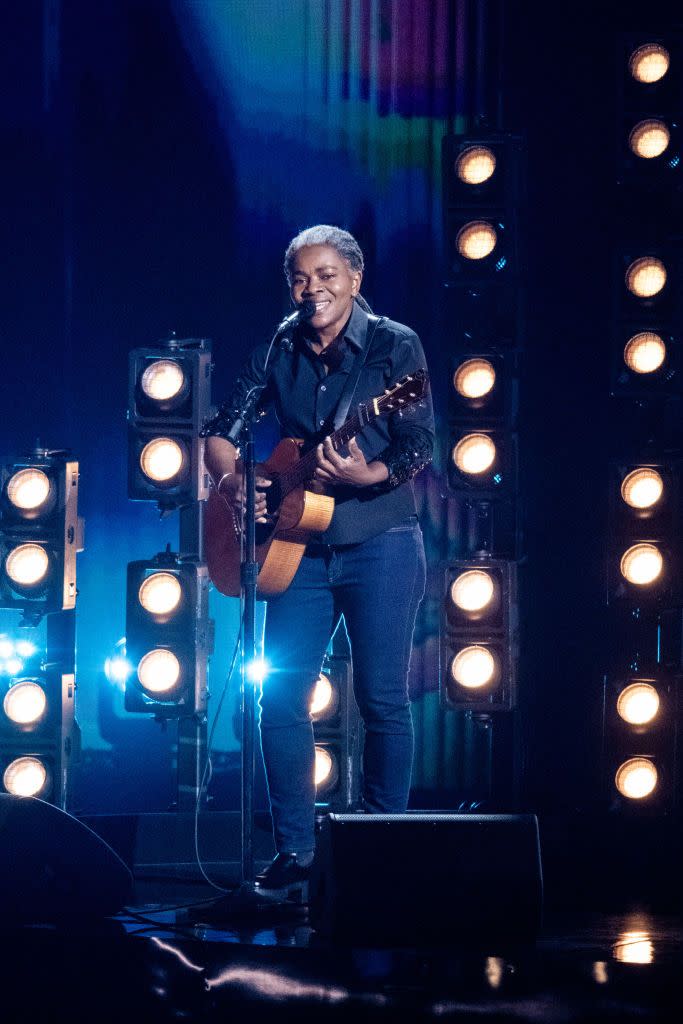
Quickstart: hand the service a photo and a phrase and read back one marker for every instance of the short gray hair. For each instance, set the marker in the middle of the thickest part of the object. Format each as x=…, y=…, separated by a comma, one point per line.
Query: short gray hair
x=325, y=234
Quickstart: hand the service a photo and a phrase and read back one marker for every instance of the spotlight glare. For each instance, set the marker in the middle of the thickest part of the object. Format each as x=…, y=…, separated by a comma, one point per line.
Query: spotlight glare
x=13, y=666
x=28, y=489
x=638, y=703
x=25, y=649
x=475, y=165
x=161, y=459
x=473, y=590
x=27, y=564
x=642, y=564
x=642, y=488
x=645, y=352
x=636, y=778
x=649, y=63
x=25, y=776
x=323, y=766
x=160, y=593
x=634, y=947
x=257, y=670
x=474, y=454
x=646, y=277
x=649, y=139
x=162, y=380
x=474, y=378
x=25, y=702
x=473, y=667
x=117, y=669
x=6, y=647
x=322, y=696
x=158, y=671
x=476, y=240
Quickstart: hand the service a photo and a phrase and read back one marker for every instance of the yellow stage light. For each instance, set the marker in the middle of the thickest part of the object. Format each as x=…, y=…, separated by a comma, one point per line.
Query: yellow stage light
x=25, y=702
x=162, y=380
x=649, y=139
x=474, y=454
x=474, y=378
x=26, y=776
x=475, y=165
x=649, y=63
x=473, y=667
x=158, y=671
x=642, y=488
x=473, y=590
x=642, y=564
x=28, y=489
x=324, y=766
x=325, y=698
x=645, y=352
x=646, y=277
x=638, y=703
x=161, y=459
x=160, y=593
x=27, y=564
x=636, y=778
x=476, y=240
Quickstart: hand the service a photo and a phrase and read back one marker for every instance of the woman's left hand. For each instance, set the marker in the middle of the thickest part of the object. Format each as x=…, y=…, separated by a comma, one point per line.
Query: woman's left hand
x=353, y=471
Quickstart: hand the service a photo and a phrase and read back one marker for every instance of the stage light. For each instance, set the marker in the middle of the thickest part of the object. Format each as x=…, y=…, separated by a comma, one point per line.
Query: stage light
x=28, y=490
x=13, y=666
x=475, y=165
x=634, y=947
x=645, y=352
x=474, y=454
x=642, y=488
x=323, y=765
x=161, y=460
x=6, y=648
x=649, y=139
x=160, y=593
x=646, y=277
x=117, y=669
x=25, y=649
x=257, y=670
x=642, y=564
x=25, y=702
x=636, y=778
x=27, y=565
x=26, y=776
x=474, y=378
x=638, y=703
x=649, y=63
x=473, y=591
x=162, y=380
x=473, y=667
x=325, y=699
x=476, y=240
x=159, y=671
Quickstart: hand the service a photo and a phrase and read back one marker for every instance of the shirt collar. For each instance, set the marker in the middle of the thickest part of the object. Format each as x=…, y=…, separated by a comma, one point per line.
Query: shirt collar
x=356, y=330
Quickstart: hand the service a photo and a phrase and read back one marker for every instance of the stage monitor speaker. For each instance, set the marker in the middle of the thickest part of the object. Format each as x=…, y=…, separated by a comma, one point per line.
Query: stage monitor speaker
x=52, y=867
x=427, y=878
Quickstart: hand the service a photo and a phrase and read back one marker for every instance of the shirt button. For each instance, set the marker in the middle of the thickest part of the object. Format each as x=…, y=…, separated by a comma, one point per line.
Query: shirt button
x=321, y=422
x=323, y=387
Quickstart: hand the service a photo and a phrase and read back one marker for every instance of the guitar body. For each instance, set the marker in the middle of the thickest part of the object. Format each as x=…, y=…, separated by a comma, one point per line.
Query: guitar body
x=280, y=545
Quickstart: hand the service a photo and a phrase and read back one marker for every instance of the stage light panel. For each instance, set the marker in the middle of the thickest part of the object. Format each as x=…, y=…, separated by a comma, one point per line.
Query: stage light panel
x=326, y=770
x=638, y=703
x=28, y=490
x=474, y=454
x=474, y=378
x=645, y=352
x=476, y=240
x=642, y=564
x=646, y=277
x=642, y=488
x=159, y=671
x=162, y=460
x=163, y=380
x=475, y=667
x=160, y=594
x=27, y=776
x=325, y=700
x=649, y=63
x=649, y=139
x=636, y=778
x=25, y=702
x=473, y=591
x=27, y=566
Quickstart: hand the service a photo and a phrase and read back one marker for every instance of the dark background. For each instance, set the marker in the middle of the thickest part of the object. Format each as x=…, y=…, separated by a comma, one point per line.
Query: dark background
x=158, y=157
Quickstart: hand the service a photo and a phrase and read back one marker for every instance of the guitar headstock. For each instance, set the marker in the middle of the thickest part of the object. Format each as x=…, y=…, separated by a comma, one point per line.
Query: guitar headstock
x=405, y=392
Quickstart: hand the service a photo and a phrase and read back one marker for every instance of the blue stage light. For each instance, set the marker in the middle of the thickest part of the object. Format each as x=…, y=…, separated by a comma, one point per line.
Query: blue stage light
x=25, y=649
x=13, y=666
x=257, y=670
x=6, y=647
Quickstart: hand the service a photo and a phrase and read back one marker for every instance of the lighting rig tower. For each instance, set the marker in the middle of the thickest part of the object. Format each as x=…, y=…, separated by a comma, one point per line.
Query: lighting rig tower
x=482, y=174
x=168, y=631
x=642, y=685
x=40, y=535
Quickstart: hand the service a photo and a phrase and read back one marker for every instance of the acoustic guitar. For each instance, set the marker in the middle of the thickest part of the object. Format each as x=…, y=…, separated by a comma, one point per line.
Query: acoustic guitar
x=298, y=507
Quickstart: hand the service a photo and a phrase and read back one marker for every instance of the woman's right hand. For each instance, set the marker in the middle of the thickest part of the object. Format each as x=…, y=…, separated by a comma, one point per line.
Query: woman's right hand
x=232, y=488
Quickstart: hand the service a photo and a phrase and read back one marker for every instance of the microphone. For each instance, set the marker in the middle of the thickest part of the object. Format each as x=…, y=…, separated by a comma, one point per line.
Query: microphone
x=302, y=312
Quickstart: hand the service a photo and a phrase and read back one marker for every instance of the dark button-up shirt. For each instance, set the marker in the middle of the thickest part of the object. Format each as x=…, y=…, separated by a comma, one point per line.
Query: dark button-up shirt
x=305, y=397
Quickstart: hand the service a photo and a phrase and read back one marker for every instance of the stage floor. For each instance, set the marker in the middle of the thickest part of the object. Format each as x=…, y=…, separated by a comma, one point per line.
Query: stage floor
x=151, y=964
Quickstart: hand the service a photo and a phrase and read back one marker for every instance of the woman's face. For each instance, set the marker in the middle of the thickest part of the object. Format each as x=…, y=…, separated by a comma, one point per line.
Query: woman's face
x=322, y=275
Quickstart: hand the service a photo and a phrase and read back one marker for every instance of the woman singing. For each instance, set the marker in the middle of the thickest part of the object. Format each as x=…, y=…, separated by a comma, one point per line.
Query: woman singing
x=368, y=566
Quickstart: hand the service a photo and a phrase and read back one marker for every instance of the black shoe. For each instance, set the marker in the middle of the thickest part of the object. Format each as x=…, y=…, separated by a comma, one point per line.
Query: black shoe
x=286, y=877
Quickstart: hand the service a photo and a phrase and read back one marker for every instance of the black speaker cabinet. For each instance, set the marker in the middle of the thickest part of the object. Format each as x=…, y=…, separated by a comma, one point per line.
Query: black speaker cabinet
x=427, y=879
x=53, y=867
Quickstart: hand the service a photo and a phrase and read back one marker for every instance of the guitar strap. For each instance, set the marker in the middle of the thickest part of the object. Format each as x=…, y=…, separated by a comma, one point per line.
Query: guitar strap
x=349, y=389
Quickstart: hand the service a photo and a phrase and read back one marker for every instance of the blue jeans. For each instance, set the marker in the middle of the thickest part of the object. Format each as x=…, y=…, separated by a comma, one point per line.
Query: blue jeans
x=377, y=586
